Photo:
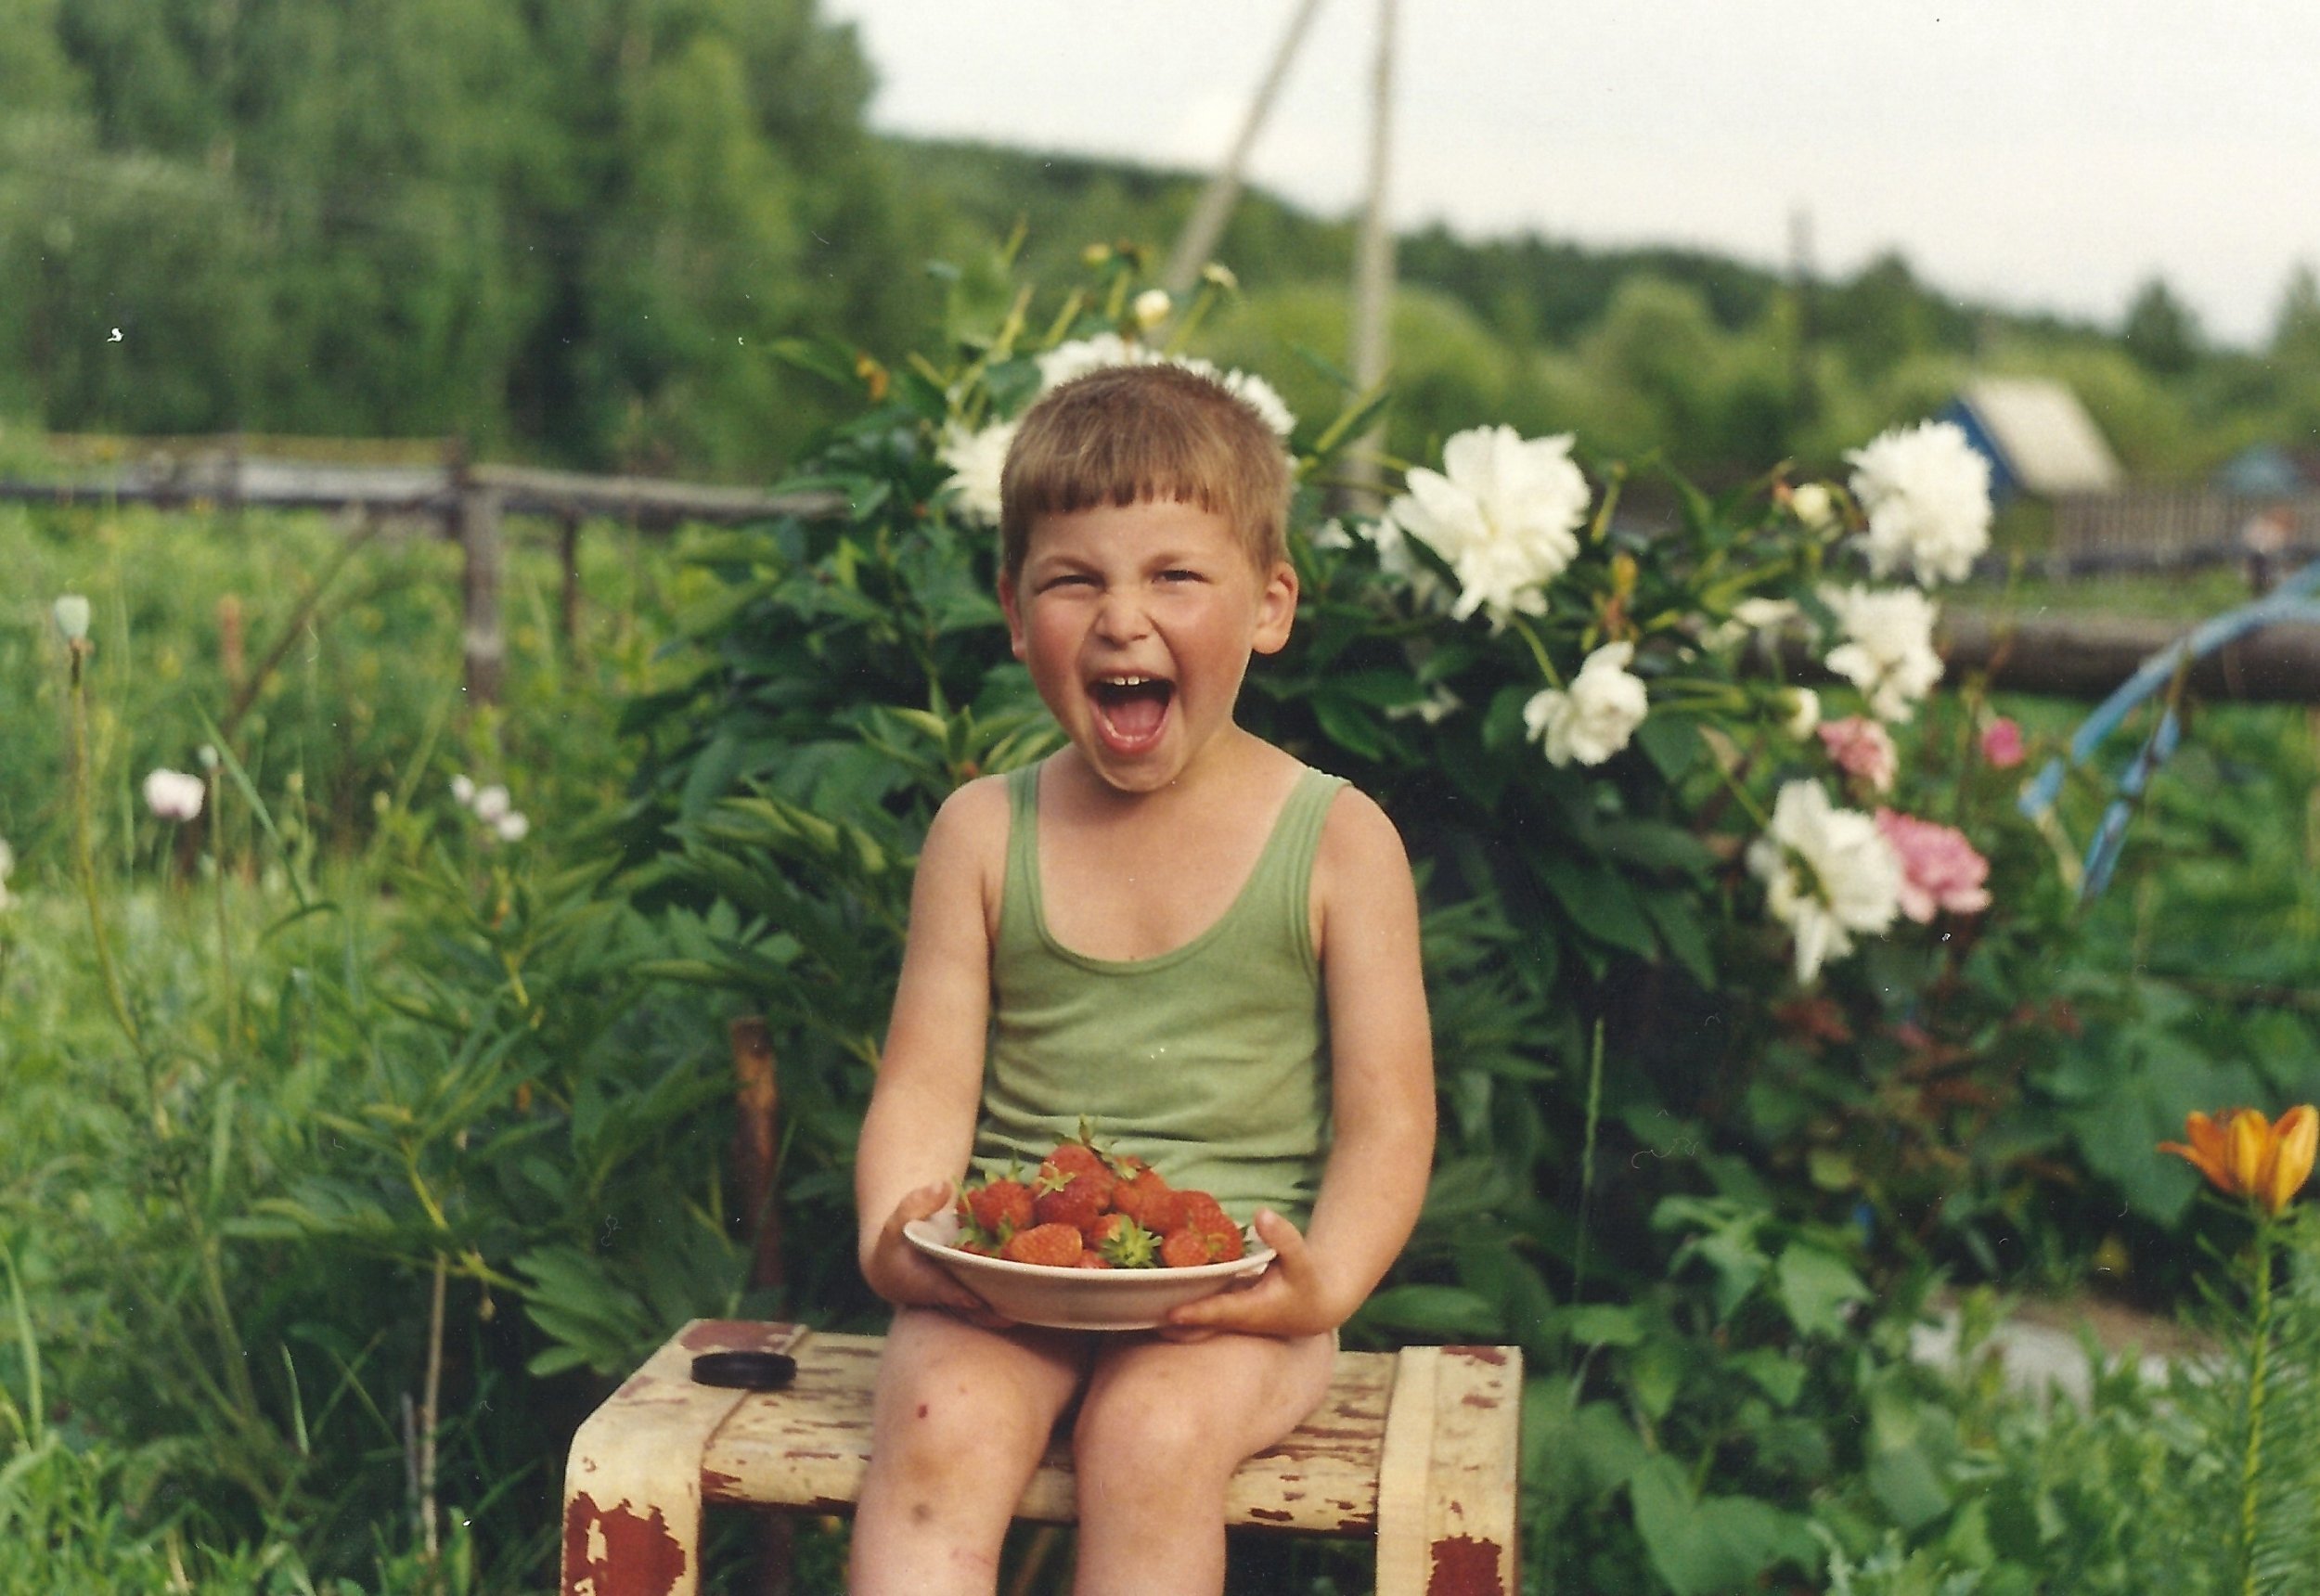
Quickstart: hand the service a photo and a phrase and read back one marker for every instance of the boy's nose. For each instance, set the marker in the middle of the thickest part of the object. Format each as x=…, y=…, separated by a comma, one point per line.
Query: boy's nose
x=1121, y=619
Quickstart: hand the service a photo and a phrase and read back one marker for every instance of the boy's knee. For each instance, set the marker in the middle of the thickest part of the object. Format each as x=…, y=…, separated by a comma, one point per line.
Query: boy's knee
x=1148, y=1431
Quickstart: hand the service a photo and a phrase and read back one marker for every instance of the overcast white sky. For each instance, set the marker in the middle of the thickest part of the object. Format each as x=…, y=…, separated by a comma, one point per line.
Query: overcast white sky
x=2049, y=154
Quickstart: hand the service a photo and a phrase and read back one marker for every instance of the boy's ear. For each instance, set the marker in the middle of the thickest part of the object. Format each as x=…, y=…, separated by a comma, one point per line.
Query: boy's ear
x=1276, y=609
x=1010, y=603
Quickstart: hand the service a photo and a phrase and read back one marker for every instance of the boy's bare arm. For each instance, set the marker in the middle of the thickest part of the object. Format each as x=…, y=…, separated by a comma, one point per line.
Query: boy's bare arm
x=1381, y=1064
x=919, y=1129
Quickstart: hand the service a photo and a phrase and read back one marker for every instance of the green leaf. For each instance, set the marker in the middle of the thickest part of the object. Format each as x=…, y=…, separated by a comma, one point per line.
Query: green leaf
x=1347, y=725
x=1432, y=1310
x=1599, y=901
x=1707, y=1544
x=1815, y=1286
x=1600, y=1324
x=1671, y=743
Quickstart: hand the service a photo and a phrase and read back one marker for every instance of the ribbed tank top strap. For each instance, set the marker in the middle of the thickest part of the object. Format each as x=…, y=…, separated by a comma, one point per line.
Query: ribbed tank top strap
x=1286, y=871
x=1019, y=911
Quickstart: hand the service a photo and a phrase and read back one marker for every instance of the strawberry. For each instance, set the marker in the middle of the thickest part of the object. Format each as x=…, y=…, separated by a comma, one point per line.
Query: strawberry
x=1144, y=1197
x=1073, y=1186
x=998, y=1209
x=1091, y=1259
x=1184, y=1250
x=1201, y=1216
x=1057, y=1246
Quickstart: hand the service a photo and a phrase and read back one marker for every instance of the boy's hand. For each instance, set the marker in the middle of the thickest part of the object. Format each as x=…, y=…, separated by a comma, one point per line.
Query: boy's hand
x=1289, y=1299
x=908, y=1278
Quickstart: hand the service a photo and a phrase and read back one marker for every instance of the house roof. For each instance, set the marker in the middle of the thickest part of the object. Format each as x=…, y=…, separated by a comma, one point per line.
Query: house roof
x=2048, y=442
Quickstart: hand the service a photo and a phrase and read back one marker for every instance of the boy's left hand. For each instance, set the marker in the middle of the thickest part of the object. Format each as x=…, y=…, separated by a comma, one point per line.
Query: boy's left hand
x=1289, y=1299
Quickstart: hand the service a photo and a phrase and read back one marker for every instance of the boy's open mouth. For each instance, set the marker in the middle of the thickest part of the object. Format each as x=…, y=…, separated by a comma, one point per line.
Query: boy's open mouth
x=1131, y=709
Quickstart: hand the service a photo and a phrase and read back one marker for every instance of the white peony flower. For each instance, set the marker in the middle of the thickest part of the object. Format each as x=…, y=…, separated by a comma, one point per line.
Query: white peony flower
x=463, y=789
x=1152, y=308
x=1596, y=717
x=1503, y=512
x=1829, y=874
x=1888, y=651
x=1813, y=506
x=1252, y=391
x=512, y=827
x=1926, y=490
x=492, y=802
x=72, y=614
x=1804, y=713
x=173, y=795
x=976, y=461
x=1081, y=355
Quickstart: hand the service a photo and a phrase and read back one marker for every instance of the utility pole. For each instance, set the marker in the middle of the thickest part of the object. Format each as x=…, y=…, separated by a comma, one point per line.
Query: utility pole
x=1804, y=394
x=1196, y=244
x=1374, y=276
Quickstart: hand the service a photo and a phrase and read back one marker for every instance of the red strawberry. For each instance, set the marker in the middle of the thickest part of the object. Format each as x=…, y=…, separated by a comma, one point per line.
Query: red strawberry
x=998, y=1209
x=1091, y=1259
x=1184, y=1250
x=1057, y=1246
x=1073, y=1186
x=1150, y=1201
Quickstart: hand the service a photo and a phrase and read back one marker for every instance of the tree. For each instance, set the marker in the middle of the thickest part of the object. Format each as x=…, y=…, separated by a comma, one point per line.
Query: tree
x=2160, y=333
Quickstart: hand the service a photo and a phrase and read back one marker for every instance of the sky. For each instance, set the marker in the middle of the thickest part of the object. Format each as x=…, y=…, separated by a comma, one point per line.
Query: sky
x=2047, y=155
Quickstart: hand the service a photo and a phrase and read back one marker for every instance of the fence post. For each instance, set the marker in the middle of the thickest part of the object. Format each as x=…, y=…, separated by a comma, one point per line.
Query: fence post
x=755, y=1135
x=475, y=512
x=567, y=550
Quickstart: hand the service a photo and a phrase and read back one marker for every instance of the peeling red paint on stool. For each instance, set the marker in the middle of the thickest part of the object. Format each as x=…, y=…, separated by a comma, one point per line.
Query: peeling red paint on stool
x=1464, y=1566
x=639, y=1558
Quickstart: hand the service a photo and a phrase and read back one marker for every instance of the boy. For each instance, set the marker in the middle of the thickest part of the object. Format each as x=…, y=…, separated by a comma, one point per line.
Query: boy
x=1155, y=928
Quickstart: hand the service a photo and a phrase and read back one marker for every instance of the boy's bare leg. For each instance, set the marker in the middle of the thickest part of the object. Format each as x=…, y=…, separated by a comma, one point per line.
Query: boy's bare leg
x=1162, y=1428
x=960, y=1418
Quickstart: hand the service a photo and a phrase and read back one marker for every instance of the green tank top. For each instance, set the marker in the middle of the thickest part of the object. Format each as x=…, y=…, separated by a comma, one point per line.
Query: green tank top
x=1208, y=1060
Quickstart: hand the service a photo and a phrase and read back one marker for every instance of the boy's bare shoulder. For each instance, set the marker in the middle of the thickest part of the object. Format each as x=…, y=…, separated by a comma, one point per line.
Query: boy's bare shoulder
x=973, y=817
x=971, y=826
x=1357, y=821
x=1358, y=839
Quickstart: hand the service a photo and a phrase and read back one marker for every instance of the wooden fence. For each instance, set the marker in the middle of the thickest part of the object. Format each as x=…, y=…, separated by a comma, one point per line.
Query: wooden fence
x=2161, y=528
x=2074, y=656
x=469, y=503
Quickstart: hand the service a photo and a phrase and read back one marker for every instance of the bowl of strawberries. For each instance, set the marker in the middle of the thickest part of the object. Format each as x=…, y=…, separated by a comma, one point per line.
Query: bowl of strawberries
x=1089, y=1241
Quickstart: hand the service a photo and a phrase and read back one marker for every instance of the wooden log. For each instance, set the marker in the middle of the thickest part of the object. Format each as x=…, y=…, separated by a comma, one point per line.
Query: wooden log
x=2087, y=656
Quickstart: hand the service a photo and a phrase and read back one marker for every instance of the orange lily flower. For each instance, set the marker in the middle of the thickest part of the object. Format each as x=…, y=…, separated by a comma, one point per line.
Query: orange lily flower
x=2243, y=1154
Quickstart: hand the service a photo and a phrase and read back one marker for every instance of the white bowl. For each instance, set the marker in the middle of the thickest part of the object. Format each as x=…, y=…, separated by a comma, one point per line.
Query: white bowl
x=1079, y=1299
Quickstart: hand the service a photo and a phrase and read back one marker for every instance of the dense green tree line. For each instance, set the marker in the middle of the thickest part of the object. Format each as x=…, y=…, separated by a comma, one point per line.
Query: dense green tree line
x=579, y=232
x=573, y=229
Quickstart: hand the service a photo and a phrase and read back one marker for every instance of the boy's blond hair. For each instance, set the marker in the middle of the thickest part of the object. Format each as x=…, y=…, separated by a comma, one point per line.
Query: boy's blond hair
x=1126, y=433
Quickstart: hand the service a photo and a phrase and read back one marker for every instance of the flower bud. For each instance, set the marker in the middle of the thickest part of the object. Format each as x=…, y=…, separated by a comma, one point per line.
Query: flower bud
x=72, y=614
x=173, y=795
x=1152, y=308
x=1220, y=274
x=1813, y=505
x=1095, y=254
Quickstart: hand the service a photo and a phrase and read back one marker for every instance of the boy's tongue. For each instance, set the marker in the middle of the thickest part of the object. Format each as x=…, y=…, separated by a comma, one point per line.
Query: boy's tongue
x=1133, y=713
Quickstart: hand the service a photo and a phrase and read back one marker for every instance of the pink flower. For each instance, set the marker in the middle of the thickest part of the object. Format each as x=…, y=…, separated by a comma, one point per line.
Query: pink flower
x=2002, y=744
x=1862, y=747
x=1939, y=869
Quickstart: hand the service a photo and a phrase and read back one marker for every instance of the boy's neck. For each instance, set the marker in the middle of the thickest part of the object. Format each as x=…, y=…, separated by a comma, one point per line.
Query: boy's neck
x=1224, y=768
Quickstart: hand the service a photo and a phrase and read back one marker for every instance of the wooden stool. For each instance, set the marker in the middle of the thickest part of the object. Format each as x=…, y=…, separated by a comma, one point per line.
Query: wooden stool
x=1416, y=1448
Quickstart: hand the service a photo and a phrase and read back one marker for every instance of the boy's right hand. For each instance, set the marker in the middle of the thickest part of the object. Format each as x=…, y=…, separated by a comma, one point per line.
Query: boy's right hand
x=908, y=1278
